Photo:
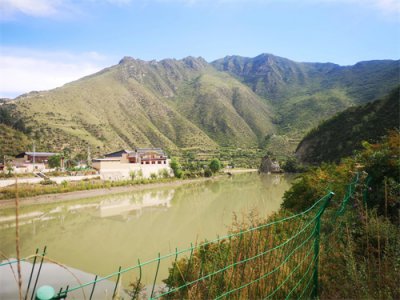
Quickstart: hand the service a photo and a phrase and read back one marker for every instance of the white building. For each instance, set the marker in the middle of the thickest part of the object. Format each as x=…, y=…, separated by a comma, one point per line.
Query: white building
x=120, y=164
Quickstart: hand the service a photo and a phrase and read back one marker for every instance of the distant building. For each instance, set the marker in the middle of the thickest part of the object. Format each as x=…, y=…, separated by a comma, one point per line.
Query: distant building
x=32, y=161
x=37, y=157
x=120, y=164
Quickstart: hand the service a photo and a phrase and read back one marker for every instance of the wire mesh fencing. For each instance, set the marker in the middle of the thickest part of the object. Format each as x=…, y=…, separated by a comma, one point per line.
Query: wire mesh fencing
x=278, y=260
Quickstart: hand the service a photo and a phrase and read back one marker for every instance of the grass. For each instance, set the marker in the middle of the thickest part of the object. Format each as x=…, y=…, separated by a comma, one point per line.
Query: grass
x=358, y=247
x=49, y=187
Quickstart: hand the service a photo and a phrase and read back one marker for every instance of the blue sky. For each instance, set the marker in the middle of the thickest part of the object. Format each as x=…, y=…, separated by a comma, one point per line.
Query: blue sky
x=46, y=43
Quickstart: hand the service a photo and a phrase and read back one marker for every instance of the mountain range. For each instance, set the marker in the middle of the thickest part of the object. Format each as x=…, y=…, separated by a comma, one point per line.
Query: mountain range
x=193, y=105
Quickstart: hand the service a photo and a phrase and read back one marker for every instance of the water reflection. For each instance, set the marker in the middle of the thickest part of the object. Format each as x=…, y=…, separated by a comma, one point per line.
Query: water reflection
x=121, y=206
x=97, y=235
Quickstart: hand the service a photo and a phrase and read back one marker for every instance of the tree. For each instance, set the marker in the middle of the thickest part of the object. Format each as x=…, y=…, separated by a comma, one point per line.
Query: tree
x=176, y=168
x=9, y=168
x=55, y=161
x=215, y=165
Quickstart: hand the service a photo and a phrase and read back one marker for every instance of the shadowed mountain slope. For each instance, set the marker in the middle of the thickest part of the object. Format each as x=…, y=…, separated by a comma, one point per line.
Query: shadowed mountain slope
x=339, y=136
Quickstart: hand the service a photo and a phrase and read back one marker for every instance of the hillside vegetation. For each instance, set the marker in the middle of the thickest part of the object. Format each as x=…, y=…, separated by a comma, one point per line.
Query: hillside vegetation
x=304, y=94
x=361, y=259
x=189, y=105
x=339, y=136
x=170, y=104
x=358, y=239
x=12, y=141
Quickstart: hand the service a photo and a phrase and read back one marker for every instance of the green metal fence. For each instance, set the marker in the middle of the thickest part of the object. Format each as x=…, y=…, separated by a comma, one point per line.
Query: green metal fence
x=278, y=260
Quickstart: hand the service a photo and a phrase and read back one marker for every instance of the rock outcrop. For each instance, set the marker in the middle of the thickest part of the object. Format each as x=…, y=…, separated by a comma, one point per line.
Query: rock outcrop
x=269, y=165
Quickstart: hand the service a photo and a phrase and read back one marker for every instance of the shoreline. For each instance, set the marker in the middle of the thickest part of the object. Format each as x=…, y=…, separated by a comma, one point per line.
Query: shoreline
x=69, y=196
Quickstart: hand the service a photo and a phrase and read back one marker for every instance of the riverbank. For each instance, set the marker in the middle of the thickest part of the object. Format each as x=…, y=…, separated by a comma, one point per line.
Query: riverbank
x=69, y=196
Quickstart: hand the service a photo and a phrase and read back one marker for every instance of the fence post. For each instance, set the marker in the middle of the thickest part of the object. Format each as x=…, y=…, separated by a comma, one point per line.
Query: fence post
x=316, y=245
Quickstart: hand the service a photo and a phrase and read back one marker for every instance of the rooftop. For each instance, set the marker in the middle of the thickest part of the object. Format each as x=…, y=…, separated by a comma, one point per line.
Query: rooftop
x=36, y=154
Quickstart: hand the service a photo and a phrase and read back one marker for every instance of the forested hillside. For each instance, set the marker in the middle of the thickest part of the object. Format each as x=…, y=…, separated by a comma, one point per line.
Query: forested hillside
x=339, y=136
x=304, y=94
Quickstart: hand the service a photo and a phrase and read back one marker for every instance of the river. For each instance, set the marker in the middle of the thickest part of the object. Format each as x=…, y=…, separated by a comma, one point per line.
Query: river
x=96, y=235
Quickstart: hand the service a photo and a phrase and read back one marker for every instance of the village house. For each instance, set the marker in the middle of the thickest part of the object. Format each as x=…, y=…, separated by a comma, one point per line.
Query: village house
x=121, y=164
x=28, y=162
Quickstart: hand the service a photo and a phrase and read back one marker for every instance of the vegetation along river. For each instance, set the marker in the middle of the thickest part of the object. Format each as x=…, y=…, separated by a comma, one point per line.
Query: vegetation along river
x=97, y=235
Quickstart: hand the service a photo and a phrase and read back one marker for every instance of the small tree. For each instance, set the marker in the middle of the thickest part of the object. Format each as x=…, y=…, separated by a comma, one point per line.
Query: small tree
x=176, y=168
x=215, y=165
x=132, y=174
x=9, y=168
x=55, y=161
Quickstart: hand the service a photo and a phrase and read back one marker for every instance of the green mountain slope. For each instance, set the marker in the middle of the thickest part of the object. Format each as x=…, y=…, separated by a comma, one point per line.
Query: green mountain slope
x=12, y=141
x=339, y=136
x=304, y=94
x=230, y=113
x=173, y=104
x=192, y=105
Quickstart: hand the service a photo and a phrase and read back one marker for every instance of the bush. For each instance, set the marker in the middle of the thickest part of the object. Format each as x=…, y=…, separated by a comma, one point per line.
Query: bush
x=215, y=165
x=208, y=173
x=47, y=182
x=163, y=173
x=291, y=165
x=55, y=161
x=176, y=168
x=64, y=183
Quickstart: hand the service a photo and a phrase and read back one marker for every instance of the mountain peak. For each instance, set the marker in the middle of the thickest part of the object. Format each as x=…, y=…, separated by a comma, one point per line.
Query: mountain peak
x=126, y=59
x=195, y=63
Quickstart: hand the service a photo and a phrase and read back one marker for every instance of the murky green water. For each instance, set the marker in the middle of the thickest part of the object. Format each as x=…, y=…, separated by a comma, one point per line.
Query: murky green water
x=99, y=234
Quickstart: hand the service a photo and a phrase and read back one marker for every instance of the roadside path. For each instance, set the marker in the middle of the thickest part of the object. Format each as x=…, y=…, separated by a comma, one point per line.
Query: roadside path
x=7, y=182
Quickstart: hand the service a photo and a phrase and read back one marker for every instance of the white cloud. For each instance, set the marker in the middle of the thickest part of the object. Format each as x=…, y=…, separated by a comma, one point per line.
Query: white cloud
x=24, y=70
x=387, y=6
x=384, y=6
x=48, y=8
x=37, y=8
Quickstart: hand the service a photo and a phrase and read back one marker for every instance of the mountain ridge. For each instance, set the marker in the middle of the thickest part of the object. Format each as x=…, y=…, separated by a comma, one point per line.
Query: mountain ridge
x=192, y=104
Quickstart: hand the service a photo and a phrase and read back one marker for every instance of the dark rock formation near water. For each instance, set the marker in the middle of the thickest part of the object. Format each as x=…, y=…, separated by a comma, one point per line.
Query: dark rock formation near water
x=269, y=165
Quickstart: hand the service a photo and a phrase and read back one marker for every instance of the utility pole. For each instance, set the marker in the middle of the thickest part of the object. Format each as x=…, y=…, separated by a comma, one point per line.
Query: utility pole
x=33, y=161
x=89, y=159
